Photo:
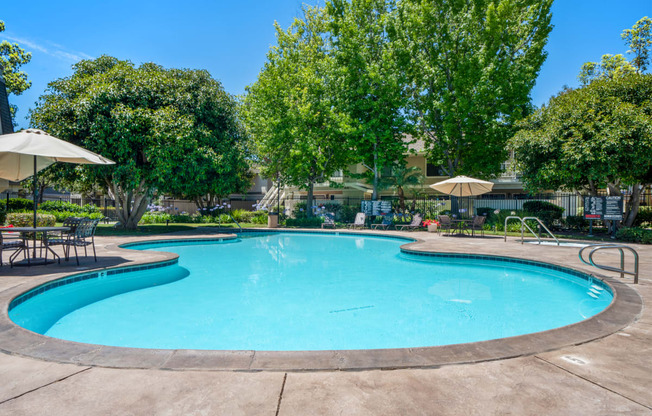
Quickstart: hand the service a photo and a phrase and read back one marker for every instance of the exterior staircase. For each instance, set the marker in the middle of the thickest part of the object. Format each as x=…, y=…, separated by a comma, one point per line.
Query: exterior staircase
x=271, y=197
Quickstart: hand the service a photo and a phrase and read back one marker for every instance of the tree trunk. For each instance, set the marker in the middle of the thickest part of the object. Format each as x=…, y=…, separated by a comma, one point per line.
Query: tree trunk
x=311, y=186
x=631, y=211
x=129, y=214
x=401, y=198
x=374, y=195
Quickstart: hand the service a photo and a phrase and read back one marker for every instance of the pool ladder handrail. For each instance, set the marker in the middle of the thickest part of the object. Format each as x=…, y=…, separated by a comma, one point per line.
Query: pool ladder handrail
x=621, y=270
x=236, y=222
x=230, y=216
x=523, y=223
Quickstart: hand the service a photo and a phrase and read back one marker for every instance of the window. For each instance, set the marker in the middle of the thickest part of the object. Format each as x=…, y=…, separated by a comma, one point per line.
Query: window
x=434, y=170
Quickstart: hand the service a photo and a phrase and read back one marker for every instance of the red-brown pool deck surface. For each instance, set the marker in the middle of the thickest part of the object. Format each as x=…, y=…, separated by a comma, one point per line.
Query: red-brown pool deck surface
x=602, y=366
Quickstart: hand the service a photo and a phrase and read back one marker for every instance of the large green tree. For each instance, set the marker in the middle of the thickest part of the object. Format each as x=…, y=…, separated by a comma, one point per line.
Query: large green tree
x=290, y=110
x=371, y=82
x=472, y=67
x=12, y=57
x=168, y=130
x=598, y=136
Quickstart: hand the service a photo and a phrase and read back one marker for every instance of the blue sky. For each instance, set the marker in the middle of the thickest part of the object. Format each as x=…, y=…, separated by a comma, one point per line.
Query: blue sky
x=231, y=38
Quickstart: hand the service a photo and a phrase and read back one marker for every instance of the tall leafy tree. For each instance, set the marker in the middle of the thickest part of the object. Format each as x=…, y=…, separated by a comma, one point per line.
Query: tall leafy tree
x=12, y=57
x=290, y=110
x=472, y=67
x=639, y=39
x=598, y=136
x=167, y=130
x=371, y=81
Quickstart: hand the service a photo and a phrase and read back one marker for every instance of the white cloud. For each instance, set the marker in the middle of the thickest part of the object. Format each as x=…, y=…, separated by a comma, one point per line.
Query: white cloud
x=57, y=51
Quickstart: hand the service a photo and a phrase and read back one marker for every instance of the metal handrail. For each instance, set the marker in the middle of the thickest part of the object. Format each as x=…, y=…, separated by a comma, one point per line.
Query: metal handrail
x=523, y=223
x=236, y=222
x=620, y=247
x=219, y=222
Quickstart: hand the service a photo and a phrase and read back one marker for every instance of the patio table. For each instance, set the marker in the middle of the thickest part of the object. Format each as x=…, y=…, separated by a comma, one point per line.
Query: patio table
x=44, y=238
x=462, y=225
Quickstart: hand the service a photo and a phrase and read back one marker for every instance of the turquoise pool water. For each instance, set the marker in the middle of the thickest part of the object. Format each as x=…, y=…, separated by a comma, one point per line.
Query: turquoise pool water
x=290, y=291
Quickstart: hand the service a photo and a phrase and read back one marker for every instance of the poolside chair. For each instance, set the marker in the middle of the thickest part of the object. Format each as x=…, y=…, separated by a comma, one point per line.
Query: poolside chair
x=415, y=224
x=360, y=218
x=478, y=224
x=14, y=243
x=329, y=220
x=388, y=221
x=83, y=236
x=445, y=223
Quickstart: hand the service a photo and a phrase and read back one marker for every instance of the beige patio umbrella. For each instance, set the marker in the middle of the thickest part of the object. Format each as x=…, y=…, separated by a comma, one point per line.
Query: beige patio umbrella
x=461, y=186
x=25, y=153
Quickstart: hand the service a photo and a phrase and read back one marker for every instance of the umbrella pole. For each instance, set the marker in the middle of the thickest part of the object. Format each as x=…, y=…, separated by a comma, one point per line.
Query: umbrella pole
x=35, y=196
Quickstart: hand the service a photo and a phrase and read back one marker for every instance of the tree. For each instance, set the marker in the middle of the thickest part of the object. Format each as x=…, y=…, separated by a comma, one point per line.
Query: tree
x=639, y=38
x=290, y=110
x=598, y=136
x=472, y=67
x=401, y=178
x=12, y=57
x=610, y=67
x=168, y=130
x=371, y=84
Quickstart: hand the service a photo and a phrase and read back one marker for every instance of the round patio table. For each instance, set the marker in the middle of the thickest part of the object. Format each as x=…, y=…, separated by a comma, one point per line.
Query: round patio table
x=34, y=230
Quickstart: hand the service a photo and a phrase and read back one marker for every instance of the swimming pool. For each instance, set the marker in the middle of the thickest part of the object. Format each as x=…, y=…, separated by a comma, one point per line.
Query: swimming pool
x=289, y=291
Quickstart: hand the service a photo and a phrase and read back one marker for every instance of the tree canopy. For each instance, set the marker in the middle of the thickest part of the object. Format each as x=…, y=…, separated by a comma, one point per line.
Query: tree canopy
x=594, y=137
x=12, y=57
x=168, y=130
x=472, y=66
x=371, y=85
x=298, y=130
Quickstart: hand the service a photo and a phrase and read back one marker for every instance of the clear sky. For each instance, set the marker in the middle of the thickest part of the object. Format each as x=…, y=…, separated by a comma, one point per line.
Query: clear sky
x=231, y=38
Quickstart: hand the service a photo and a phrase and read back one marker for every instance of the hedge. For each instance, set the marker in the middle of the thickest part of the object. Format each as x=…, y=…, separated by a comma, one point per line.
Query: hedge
x=25, y=219
x=635, y=235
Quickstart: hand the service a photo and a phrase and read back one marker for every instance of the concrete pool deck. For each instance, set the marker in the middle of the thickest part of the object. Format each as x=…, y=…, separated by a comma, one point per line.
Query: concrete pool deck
x=609, y=375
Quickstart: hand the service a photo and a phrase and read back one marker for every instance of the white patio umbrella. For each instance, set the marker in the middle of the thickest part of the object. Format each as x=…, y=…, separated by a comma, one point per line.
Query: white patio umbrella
x=463, y=186
x=25, y=153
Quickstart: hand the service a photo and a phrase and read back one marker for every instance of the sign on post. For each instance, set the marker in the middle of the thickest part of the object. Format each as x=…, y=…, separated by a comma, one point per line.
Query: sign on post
x=603, y=208
x=372, y=208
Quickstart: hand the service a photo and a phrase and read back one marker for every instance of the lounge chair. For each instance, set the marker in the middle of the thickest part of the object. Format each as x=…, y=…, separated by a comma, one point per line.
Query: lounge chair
x=388, y=221
x=360, y=218
x=13, y=243
x=329, y=220
x=415, y=224
x=478, y=224
x=445, y=223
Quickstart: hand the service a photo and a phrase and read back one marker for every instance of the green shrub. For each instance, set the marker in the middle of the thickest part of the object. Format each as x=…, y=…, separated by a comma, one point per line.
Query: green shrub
x=304, y=222
x=259, y=217
x=3, y=214
x=242, y=215
x=644, y=217
x=62, y=215
x=576, y=222
x=17, y=204
x=155, y=218
x=635, y=235
x=299, y=211
x=26, y=219
x=545, y=211
x=347, y=213
x=492, y=217
x=62, y=206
